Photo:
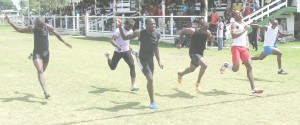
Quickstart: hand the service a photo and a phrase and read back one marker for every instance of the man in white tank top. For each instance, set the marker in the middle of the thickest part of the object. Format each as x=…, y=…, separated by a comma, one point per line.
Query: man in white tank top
x=271, y=34
x=122, y=50
x=240, y=51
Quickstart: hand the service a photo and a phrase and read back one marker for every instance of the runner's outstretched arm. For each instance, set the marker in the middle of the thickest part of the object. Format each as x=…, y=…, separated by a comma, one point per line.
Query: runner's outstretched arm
x=21, y=30
x=51, y=29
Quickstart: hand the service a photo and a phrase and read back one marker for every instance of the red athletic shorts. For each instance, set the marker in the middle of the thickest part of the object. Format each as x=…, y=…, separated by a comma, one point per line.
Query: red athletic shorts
x=240, y=53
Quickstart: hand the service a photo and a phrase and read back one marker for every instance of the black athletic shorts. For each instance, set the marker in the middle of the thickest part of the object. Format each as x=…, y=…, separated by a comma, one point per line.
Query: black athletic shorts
x=148, y=65
x=44, y=55
x=195, y=58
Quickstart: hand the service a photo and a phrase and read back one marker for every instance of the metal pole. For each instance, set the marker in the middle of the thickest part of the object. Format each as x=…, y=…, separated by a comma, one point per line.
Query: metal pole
x=73, y=6
x=171, y=24
x=115, y=13
x=77, y=22
x=28, y=13
x=28, y=8
x=206, y=11
x=39, y=7
x=66, y=23
x=87, y=26
x=115, y=7
x=163, y=18
x=140, y=7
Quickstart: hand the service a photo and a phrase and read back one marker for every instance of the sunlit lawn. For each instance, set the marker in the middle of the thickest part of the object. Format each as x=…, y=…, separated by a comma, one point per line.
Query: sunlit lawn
x=85, y=91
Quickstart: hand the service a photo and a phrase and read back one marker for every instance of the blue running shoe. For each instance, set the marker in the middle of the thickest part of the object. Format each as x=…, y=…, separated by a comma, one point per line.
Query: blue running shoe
x=153, y=105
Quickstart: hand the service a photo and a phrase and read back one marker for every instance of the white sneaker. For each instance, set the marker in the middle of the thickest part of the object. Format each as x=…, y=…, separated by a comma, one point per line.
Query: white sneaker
x=257, y=91
x=106, y=54
x=281, y=71
x=135, y=53
x=223, y=67
x=134, y=88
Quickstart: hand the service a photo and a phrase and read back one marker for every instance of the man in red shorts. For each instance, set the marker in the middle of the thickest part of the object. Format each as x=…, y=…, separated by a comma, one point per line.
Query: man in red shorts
x=240, y=51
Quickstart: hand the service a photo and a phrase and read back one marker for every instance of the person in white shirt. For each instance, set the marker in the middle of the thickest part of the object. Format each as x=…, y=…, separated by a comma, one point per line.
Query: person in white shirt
x=239, y=50
x=220, y=30
x=271, y=34
x=123, y=50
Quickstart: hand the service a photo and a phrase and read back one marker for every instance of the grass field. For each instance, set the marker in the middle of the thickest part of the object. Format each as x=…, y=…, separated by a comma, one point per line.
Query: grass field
x=85, y=91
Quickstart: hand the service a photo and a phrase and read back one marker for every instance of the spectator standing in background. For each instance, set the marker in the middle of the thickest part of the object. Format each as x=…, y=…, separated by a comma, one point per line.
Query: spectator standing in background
x=213, y=23
x=247, y=10
x=220, y=30
x=253, y=36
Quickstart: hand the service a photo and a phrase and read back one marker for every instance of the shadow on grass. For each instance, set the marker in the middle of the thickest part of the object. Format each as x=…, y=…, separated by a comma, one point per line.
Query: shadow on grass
x=25, y=98
x=103, y=90
x=216, y=92
x=178, y=94
x=132, y=42
x=118, y=107
x=255, y=79
x=182, y=108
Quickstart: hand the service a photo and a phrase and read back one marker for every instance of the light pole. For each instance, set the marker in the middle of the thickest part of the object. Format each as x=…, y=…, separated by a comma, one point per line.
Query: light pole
x=28, y=13
x=73, y=8
x=206, y=10
x=163, y=18
x=39, y=7
x=28, y=8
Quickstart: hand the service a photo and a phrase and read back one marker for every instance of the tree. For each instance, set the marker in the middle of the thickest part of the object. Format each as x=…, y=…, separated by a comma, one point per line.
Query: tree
x=6, y=4
x=45, y=6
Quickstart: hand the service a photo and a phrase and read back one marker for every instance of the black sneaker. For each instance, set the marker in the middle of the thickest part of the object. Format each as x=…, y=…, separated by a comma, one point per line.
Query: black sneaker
x=30, y=56
x=47, y=95
x=282, y=72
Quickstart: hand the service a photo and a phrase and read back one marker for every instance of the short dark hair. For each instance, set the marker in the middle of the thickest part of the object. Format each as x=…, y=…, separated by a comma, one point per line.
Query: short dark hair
x=148, y=19
x=40, y=20
x=129, y=21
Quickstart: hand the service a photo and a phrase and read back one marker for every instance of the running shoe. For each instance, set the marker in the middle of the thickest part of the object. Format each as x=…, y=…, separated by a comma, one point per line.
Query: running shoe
x=282, y=72
x=134, y=88
x=153, y=105
x=198, y=87
x=47, y=95
x=223, y=67
x=106, y=54
x=30, y=56
x=257, y=91
x=135, y=53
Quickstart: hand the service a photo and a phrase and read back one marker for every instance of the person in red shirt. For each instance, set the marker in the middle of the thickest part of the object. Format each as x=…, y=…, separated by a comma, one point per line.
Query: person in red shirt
x=247, y=10
x=213, y=22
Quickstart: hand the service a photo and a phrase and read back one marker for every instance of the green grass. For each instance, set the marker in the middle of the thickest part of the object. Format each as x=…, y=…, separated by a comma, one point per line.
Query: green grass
x=85, y=91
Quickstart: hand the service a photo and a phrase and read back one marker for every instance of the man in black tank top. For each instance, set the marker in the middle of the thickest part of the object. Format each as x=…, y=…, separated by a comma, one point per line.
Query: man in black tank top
x=198, y=43
x=149, y=39
x=41, y=46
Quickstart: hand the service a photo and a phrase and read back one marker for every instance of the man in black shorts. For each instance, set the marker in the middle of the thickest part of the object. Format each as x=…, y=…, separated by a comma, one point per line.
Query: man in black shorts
x=198, y=42
x=149, y=39
x=41, y=46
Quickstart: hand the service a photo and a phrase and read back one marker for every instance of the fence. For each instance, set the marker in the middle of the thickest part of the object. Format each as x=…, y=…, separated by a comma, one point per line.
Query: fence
x=168, y=29
x=103, y=26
